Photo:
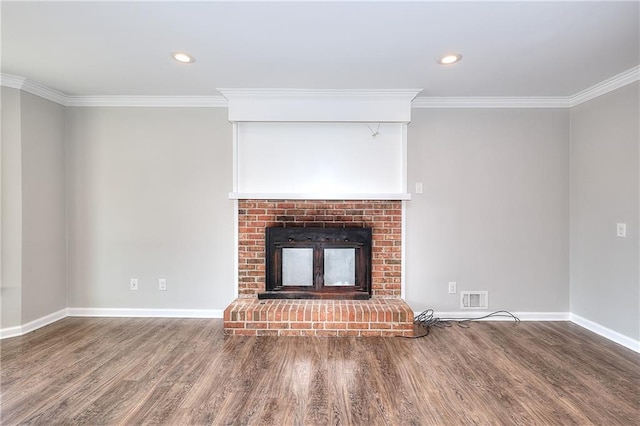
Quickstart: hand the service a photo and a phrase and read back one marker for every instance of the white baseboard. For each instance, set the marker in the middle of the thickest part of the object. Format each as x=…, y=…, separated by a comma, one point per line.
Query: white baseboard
x=146, y=313
x=523, y=316
x=19, y=330
x=5, y=333
x=605, y=332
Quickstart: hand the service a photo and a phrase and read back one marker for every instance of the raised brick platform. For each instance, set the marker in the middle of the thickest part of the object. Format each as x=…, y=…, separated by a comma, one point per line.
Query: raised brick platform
x=278, y=317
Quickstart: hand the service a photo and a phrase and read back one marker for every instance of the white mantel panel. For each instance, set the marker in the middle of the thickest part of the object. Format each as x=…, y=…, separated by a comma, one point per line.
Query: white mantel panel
x=335, y=158
x=299, y=105
x=326, y=110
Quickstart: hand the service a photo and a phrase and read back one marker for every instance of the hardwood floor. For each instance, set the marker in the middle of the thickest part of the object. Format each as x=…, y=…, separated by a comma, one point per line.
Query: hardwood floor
x=184, y=371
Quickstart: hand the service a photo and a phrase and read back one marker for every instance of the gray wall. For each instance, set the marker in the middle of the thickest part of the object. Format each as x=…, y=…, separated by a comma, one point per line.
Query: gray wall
x=44, y=246
x=146, y=196
x=11, y=286
x=148, y=199
x=494, y=214
x=605, y=179
x=34, y=258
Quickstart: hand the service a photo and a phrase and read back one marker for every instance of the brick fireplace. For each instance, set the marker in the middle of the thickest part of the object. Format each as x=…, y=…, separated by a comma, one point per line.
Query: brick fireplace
x=319, y=159
x=384, y=217
x=385, y=314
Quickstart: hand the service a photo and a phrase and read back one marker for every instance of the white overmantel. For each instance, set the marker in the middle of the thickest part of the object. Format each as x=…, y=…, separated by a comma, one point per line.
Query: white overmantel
x=389, y=106
x=320, y=144
x=332, y=196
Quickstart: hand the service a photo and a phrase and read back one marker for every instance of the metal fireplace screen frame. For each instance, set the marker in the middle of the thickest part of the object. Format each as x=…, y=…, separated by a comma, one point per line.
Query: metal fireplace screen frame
x=318, y=239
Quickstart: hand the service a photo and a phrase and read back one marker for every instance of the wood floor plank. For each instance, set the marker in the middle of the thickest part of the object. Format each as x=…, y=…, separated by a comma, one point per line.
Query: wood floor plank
x=110, y=371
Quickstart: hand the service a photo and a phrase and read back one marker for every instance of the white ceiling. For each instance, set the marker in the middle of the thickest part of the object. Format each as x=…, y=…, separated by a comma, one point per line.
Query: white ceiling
x=519, y=49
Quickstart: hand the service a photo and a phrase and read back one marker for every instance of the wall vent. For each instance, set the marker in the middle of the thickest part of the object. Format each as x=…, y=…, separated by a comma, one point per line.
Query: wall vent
x=474, y=299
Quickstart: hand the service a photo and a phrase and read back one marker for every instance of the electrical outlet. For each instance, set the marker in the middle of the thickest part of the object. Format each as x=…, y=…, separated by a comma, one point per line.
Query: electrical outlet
x=162, y=284
x=452, y=287
x=134, y=284
x=621, y=230
x=419, y=188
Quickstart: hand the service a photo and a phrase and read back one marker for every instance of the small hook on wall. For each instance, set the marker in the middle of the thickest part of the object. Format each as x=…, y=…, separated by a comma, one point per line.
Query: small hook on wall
x=374, y=133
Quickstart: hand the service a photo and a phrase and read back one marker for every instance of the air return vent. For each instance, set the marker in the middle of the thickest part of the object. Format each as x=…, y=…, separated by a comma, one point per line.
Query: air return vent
x=474, y=299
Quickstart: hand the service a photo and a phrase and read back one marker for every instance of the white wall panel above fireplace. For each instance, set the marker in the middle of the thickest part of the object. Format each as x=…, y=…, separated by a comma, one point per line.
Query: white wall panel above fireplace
x=300, y=105
x=329, y=159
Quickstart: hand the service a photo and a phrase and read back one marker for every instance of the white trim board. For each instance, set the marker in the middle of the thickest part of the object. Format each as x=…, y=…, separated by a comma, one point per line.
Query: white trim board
x=594, y=327
x=599, y=89
x=491, y=102
x=20, y=330
x=16, y=331
x=12, y=81
x=21, y=83
x=605, y=332
x=523, y=316
x=317, y=196
x=147, y=101
x=300, y=105
x=145, y=313
x=606, y=86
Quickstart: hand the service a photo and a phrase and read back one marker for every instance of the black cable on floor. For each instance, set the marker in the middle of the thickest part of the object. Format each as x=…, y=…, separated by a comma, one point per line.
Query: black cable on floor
x=426, y=320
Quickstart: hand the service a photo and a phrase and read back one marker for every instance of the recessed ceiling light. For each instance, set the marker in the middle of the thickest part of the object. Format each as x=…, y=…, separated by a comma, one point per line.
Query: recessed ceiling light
x=450, y=58
x=183, y=57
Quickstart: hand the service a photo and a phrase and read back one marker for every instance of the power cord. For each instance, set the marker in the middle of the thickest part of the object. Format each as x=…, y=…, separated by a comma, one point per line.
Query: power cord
x=426, y=320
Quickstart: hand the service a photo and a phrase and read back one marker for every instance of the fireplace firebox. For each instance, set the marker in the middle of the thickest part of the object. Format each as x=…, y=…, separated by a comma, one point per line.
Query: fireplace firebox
x=317, y=263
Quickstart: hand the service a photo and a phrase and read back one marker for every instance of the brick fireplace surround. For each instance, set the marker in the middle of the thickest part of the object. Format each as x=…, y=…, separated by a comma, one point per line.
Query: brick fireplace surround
x=385, y=314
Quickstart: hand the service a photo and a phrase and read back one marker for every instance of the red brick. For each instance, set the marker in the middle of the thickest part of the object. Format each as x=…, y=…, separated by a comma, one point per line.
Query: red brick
x=327, y=333
x=381, y=326
x=301, y=325
x=244, y=332
x=234, y=324
x=289, y=332
x=348, y=333
x=335, y=325
x=255, y=215
x=357, y=326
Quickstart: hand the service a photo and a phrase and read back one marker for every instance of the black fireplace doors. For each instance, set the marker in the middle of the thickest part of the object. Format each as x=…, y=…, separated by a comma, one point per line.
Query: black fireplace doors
x=317, y=263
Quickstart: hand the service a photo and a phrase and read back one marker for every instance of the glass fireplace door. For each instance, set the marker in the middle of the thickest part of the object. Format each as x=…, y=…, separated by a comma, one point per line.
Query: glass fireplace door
x=339, y=266
x=297, y=266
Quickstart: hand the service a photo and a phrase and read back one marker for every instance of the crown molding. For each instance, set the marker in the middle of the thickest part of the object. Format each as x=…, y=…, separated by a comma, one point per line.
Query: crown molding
x=148, y=101
x=319, y=93
x=613, y=83
x=12, y=81
x=45, y=92
x=298, y=105
x=21, y=83
x=606, y=86
x=490, y=102
x=599, y=89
